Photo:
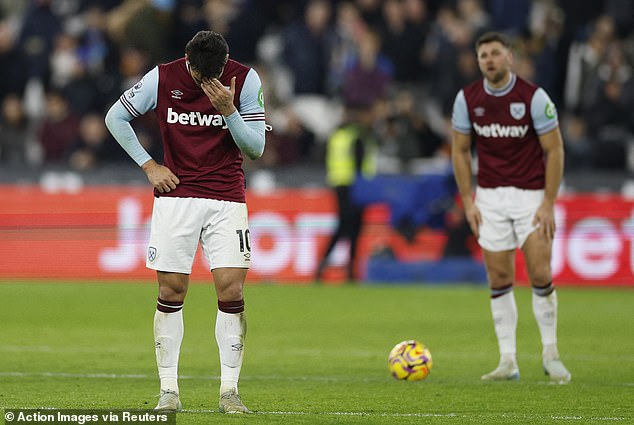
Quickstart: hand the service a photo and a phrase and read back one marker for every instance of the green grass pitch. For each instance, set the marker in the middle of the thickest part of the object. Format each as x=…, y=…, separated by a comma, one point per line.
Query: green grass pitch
x=317, y=354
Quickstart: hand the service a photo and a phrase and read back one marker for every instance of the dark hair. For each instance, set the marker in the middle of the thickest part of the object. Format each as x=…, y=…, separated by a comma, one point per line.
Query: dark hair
x=207, y=53
x=490, y=37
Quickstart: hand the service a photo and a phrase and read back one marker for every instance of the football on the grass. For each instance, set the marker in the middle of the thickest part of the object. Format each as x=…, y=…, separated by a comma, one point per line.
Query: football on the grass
x=410, y=361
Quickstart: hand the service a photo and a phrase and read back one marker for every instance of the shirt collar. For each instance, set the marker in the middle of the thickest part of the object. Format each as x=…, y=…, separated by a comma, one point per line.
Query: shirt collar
x=502, y=90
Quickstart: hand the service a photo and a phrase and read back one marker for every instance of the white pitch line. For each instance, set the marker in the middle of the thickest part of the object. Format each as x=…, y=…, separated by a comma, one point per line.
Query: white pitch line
x=200, y=377
x=374, y=414
x=76, y=375
x=420, y=415
x=306, y=353
x=402, y=415
x=214, y=377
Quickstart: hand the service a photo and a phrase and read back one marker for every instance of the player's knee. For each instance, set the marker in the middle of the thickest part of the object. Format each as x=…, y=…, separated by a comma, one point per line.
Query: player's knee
x=173, y=292
x=542, y=280
x=230, y=292
x=540, y=276
x=499, y=278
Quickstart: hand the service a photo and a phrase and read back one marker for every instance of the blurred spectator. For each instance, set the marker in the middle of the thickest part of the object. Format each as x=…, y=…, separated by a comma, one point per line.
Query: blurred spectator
x=624, y=21
x=465, y=72
x=579, y=14
x=12, y=68
x=473, y=15
x=10, y=9
x=370, y=11
x=290, y=142
x=403, y=40
x=543, y=44
x=348, y=27
x=584, y=59
x=404, y=134
x=133, y=64
x=449, y=35
x=240, y=25
x=187, y=20
x=509, y=16
x=578, y=145
x=40, y=28
x=96, y=50
x=64, y=60
x=59, y=128
x=87, y=92
x=138, y=23
x=94, y=146
x=14, y=131
x=308, y=45
x=611, y=117
x=368, y=77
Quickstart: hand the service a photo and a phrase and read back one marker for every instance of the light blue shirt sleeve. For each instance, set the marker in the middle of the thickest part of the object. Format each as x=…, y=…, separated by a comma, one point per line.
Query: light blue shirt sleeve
x=134, y=102
x=460, y=116
x=543, y=112
x=247, y=124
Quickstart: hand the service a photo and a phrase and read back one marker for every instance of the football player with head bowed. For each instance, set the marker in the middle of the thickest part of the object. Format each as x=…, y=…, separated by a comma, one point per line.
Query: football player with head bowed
x=210, y=110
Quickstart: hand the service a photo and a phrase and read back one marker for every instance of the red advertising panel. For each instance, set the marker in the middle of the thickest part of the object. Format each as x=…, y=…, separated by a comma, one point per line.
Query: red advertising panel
x=102, y=232
x=593, y=244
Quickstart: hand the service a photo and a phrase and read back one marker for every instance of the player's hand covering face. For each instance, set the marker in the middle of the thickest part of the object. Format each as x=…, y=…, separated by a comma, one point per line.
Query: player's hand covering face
x=219, y=96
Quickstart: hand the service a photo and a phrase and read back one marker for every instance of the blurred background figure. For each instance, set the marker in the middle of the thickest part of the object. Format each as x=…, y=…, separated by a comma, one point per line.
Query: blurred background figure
x=94, y=146
x=14, y=130
x=59, y=128
x=350, y=155
x=308, y=44
x=40, y=29
x=12, y=68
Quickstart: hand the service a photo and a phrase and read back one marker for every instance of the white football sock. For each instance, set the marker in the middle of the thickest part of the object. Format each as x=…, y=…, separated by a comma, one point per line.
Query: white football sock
x=504, y=313
x=545, y=310
x=230, y=332
x=168, y=335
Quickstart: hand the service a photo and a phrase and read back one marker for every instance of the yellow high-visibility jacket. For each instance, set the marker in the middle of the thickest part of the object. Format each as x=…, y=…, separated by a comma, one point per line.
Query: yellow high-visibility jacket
x=340, y=156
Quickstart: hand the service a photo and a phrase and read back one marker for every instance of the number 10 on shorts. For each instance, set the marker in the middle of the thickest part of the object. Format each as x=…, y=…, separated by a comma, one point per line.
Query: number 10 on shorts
x=243, y=237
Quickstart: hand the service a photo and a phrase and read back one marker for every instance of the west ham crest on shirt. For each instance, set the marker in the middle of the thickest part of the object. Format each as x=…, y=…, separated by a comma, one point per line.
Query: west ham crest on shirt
x=518, y=110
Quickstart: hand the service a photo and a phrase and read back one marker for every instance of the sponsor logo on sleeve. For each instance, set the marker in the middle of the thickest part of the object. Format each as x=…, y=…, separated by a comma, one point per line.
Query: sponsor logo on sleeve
x=136, y=88
x=550, y=110
x=261, y=97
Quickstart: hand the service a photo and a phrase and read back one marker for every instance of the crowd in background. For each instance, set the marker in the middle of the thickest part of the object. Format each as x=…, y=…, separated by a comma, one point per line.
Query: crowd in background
x=64, y=62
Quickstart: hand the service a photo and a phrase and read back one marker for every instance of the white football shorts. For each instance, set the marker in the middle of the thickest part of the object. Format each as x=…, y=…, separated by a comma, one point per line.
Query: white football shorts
x=507, y=216
x=179, y=224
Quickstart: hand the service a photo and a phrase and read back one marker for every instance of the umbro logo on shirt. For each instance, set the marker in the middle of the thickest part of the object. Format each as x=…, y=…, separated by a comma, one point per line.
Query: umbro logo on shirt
x=176, y=94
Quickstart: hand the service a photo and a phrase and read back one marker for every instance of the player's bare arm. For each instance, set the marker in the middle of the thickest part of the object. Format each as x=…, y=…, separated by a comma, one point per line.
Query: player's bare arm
x=219, y=96
x=461, y=159
x=552, y=144
x=160, y=176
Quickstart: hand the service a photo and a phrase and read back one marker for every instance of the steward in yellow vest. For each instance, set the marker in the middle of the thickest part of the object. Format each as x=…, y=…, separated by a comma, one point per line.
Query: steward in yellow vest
x=351, y=152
